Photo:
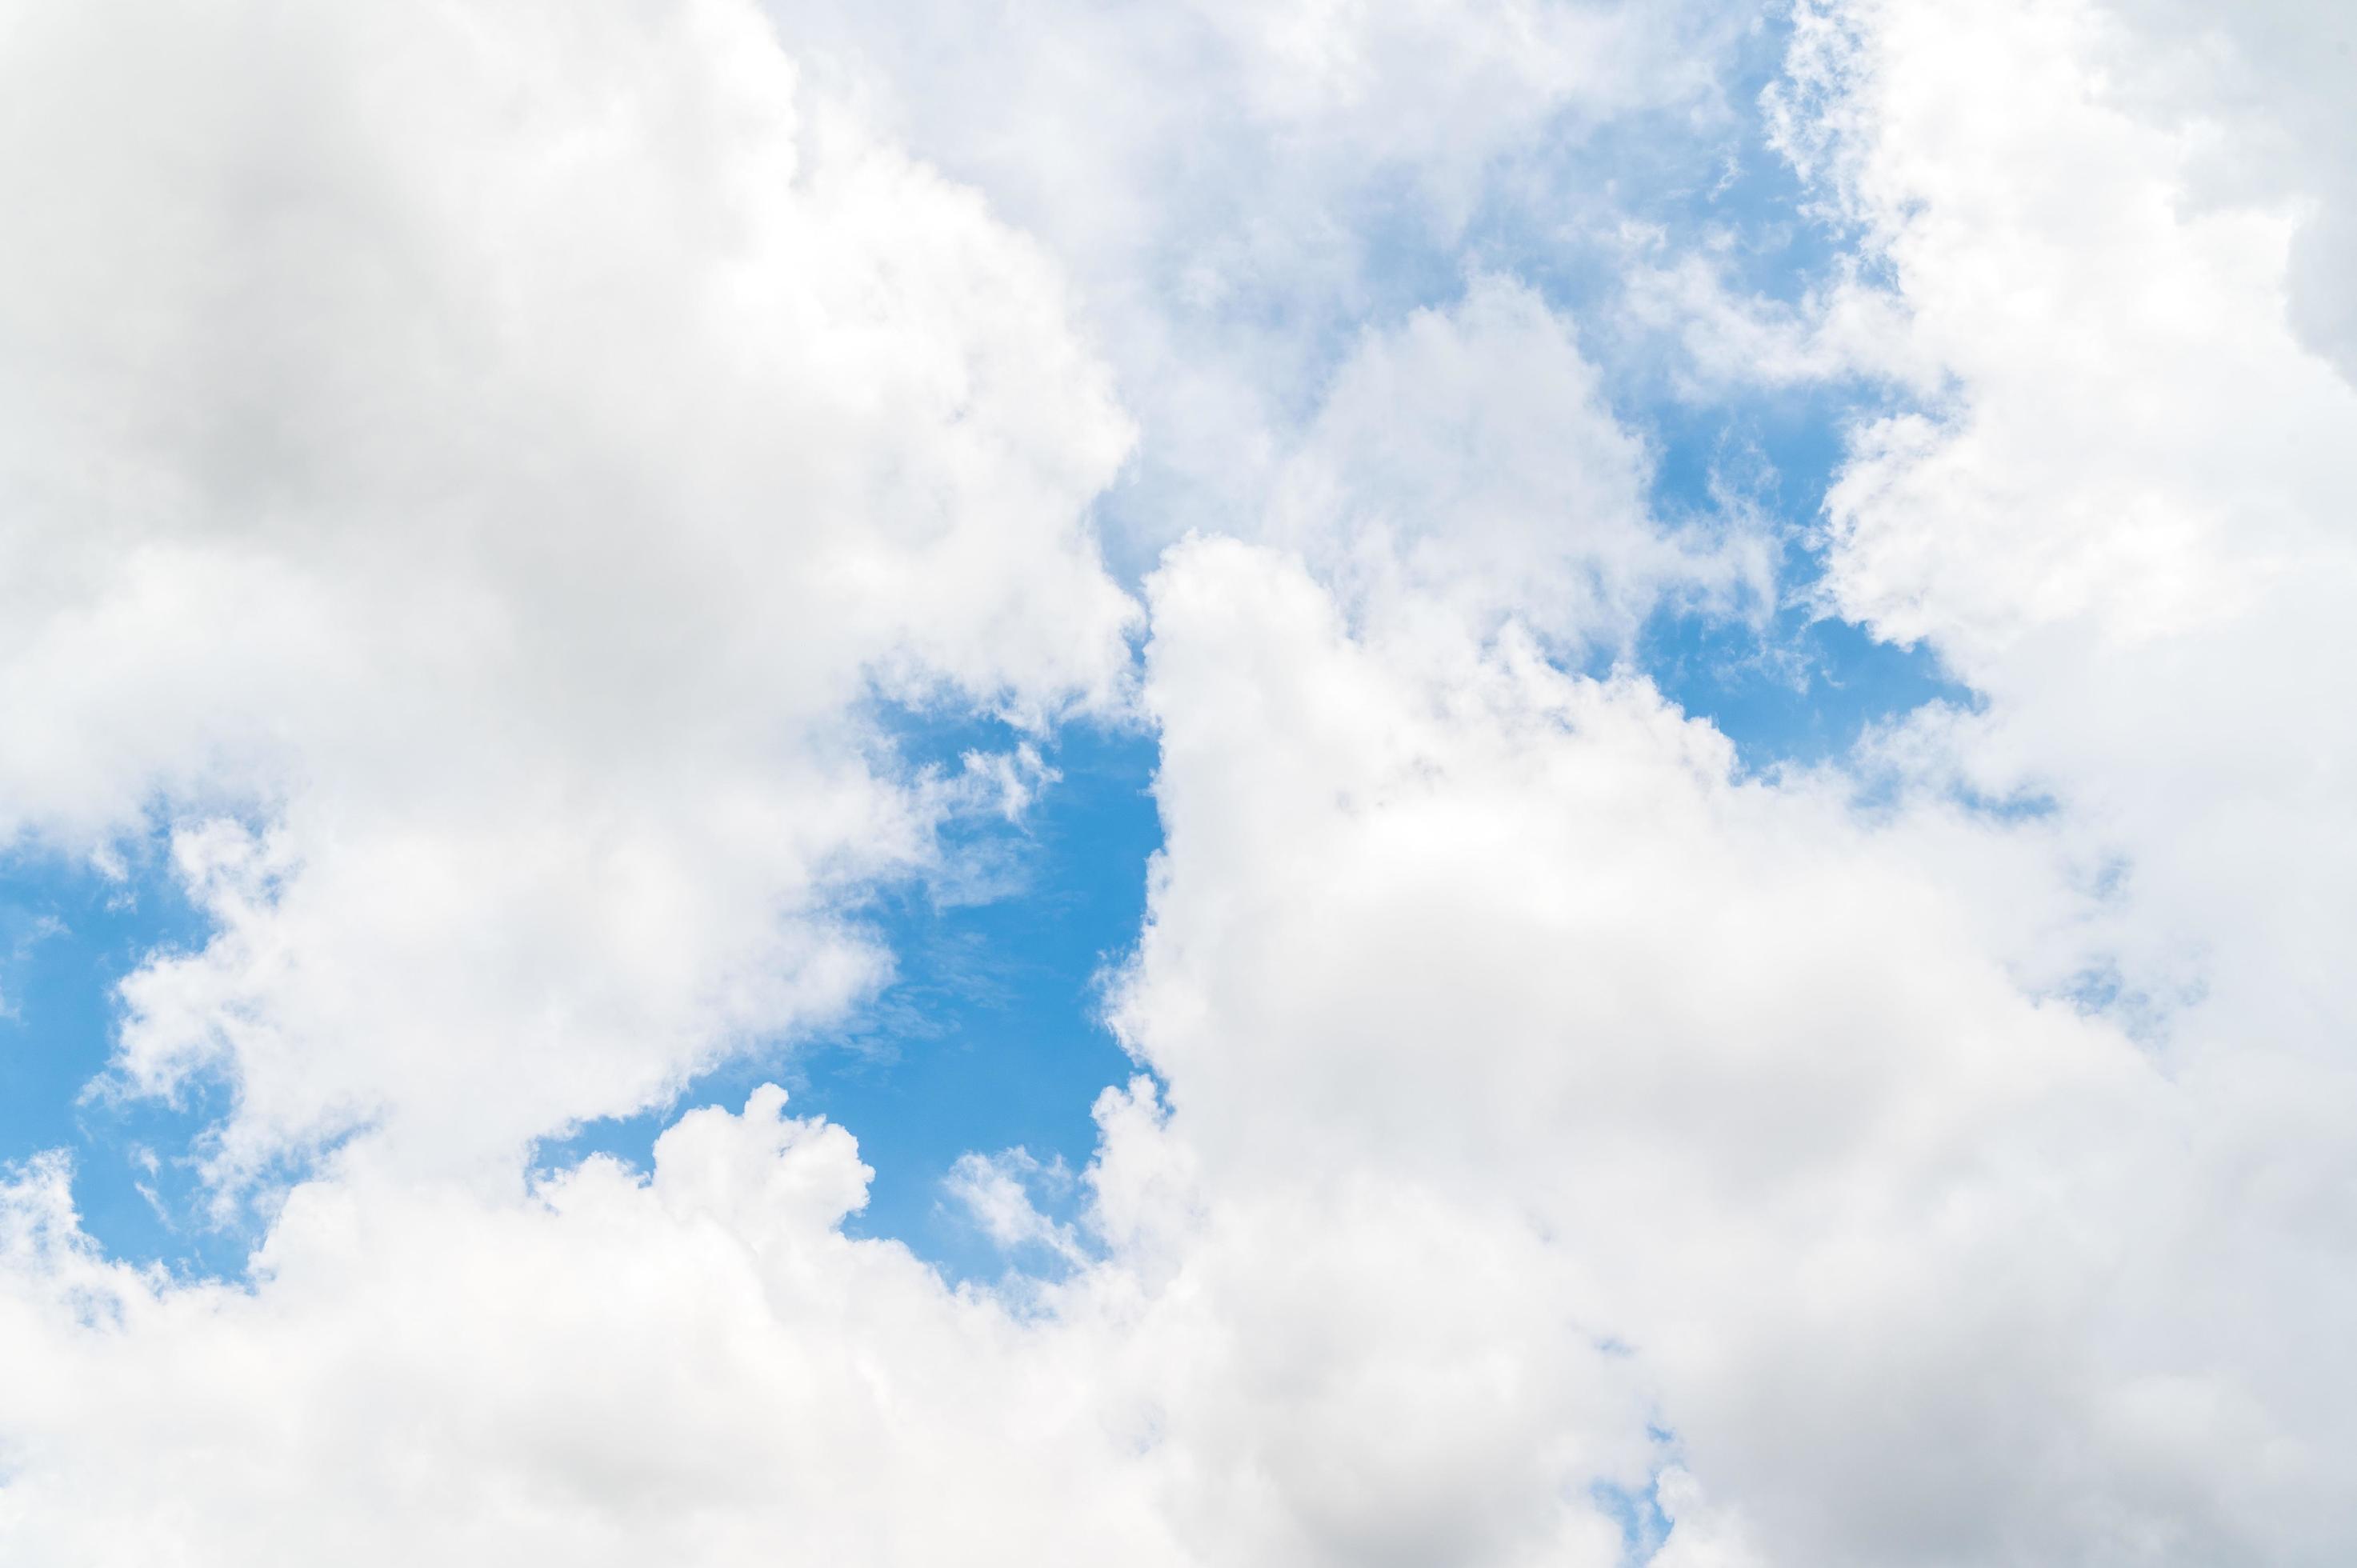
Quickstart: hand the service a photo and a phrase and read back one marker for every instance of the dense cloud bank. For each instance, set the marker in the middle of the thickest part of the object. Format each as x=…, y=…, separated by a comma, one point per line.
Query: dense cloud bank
x=470, y=475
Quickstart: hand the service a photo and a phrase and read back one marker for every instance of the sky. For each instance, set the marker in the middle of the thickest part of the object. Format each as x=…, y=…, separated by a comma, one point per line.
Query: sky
x=1391, y=783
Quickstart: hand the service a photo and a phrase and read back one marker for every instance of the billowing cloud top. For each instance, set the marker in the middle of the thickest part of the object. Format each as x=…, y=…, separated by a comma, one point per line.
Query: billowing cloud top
x=482, y=486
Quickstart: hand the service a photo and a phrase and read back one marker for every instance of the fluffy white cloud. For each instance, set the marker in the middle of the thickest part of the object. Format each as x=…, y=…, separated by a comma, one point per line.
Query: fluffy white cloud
x=1239, y=185
x=1964, y=1188
x=1785, y=1147
x=695, y=1368
x=470, y=469
x=1468, y=462
x=2126, y=523
x=2129, y=527
x=2269, y=82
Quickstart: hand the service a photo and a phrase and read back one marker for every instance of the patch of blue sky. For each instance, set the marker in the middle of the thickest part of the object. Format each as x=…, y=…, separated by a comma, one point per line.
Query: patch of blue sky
x=1644, y=1528
x=988, y=1038
x=990, y=1035
x=1788, y=682
x=1792, y=683
x=69, y=934
x=1799, y=691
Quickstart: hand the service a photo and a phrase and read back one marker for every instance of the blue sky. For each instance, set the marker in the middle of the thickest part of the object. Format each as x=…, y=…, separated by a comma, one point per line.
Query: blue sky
x=74, y=934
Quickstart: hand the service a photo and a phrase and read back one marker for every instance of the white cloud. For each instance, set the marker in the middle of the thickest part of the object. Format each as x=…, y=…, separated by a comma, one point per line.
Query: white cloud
x=994, y=1190
x=1733, y=1069
x=2134, y=437
x=1469, y=459
x=2130, y=528
x=695, y=1368
x=1725, y=338
x=2128, y=525
x=471, y=468
x=1240, y=187
x=2270, y=81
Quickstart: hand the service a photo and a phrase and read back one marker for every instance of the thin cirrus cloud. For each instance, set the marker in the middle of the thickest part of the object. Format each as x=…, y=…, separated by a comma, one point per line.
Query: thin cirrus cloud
x=478, y=482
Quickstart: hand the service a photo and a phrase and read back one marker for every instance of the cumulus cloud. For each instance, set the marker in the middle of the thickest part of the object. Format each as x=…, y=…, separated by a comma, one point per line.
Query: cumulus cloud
x=1782, y=1144
x=2270, y=83
x=1468, y=460
x=2126, y=524
x=466, y=473
x=469, y=473
x=2130, y=526
x=696, y=1366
